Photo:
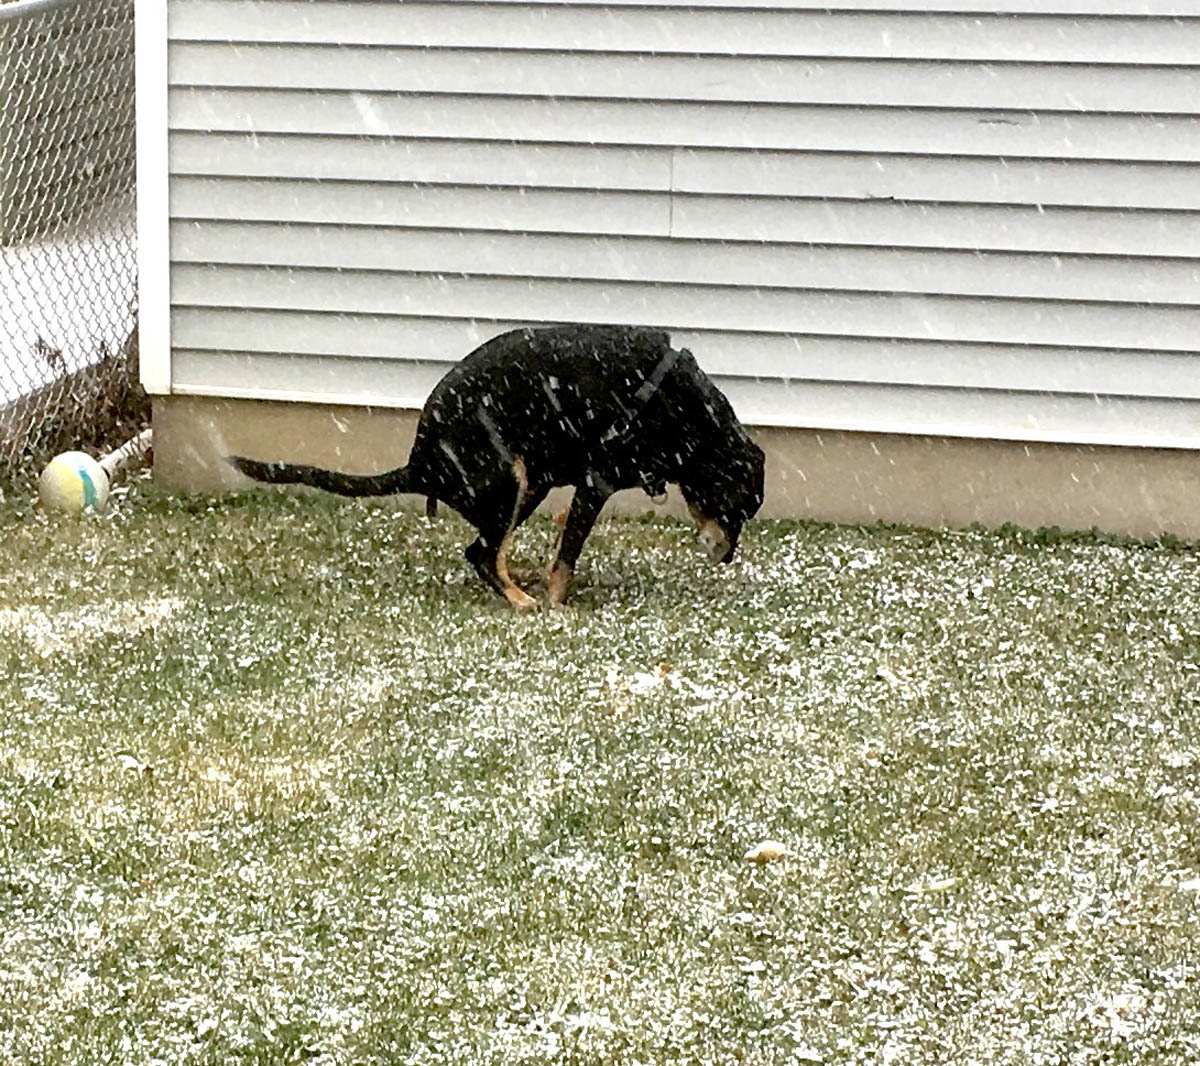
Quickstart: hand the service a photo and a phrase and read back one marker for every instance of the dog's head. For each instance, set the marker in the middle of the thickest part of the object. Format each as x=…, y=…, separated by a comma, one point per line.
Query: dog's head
x=722, y=495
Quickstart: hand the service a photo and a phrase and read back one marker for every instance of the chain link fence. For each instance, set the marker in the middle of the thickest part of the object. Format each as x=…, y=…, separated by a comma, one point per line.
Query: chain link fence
x=68, y=240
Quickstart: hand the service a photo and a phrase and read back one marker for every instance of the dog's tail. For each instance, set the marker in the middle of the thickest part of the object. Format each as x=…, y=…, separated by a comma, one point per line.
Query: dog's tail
x=386, y=484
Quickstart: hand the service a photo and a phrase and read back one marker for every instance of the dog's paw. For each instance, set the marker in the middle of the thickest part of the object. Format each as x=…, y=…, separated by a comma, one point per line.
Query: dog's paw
x=521, y=599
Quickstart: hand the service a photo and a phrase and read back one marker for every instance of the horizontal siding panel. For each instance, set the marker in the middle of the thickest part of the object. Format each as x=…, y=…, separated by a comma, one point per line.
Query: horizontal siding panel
x=967, y=413
x=665, y=77
x=782, y=126
x=280, y=376
x=624, y=28
x=730, y=172
x=767, y=355
x=424, y=161
x=400, y=337
x=882, y=222
x=771, y=220
x=600, y=258
x=405, y=205
x=1073, y=183
x=879, y=408
x=918, y=317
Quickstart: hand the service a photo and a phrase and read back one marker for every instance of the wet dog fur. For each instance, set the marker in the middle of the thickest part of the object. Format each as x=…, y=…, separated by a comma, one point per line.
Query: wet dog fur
x=600, y=408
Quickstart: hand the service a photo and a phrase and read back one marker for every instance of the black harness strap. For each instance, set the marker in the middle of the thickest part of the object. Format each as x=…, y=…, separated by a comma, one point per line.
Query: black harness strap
x=645, y=392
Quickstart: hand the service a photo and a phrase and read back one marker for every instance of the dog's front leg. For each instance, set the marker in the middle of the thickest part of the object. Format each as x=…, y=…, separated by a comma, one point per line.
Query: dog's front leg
x=585, y=508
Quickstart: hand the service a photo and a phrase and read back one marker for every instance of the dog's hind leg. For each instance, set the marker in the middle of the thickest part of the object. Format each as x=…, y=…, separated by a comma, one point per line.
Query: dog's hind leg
x=489, y=552
x=585, y=508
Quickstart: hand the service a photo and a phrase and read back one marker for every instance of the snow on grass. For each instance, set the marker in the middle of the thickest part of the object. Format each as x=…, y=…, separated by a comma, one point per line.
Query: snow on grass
x=57, y=632
x=293, y=787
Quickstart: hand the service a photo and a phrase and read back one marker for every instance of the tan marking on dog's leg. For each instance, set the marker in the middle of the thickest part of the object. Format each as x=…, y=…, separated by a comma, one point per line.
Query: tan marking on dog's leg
x=713, y=539
x=519, y=598
x=513, y=592
x=556, y=549
x=560, y=580
x=560, y=574
x=515, y=595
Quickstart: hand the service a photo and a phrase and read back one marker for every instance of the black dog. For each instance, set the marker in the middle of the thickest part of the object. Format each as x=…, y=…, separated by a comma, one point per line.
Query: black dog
x=601, y=408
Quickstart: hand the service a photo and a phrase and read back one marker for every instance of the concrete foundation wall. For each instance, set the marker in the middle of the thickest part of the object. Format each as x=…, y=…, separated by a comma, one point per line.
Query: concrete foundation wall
x=834, y=476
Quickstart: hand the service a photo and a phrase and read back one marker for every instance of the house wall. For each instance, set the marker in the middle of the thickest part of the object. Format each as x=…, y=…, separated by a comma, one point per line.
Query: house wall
x=919, y=221
x=925, y=221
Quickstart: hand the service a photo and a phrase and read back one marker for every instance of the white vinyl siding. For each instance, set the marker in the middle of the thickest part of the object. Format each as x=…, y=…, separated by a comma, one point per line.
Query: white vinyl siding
x=929, y=220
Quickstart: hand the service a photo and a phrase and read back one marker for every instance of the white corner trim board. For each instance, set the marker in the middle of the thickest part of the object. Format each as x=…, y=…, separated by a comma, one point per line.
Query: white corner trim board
x=154, y=250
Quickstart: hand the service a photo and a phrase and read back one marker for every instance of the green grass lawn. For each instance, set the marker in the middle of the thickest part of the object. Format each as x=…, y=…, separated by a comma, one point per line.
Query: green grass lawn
x=281, y=782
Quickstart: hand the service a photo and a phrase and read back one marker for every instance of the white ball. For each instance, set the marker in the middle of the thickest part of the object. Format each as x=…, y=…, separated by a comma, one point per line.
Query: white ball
x=73, y=482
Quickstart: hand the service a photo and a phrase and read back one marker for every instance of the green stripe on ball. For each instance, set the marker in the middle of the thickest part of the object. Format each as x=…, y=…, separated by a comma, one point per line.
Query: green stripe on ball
x=91, y=498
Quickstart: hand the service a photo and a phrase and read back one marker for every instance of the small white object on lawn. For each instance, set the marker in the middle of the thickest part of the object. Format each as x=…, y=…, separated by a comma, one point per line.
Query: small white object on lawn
x=767, y=851
x=929, y=888
x=132, y=763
